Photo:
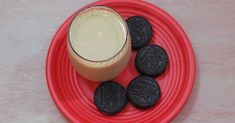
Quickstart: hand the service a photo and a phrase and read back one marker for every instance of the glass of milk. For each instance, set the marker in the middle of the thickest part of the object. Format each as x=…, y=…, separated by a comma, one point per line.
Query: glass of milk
x=99, y=43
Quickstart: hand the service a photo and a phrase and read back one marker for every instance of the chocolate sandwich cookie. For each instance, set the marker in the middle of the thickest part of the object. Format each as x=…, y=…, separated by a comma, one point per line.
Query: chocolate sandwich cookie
x=143, y=92
x=110, y=97
x=140, y=30
x=151, y=60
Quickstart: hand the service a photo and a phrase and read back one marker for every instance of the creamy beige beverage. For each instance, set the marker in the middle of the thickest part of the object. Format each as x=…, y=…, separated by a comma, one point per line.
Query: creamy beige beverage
x=99, y=43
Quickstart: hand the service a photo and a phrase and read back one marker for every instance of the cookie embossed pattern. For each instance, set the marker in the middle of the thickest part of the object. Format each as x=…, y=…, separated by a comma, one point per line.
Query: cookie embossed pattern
x=110, y=97
x=151, y=60
x=140, y=30
x=143, y=92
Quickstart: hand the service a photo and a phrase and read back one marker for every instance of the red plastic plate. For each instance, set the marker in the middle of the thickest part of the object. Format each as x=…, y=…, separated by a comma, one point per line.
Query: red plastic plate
x=73, y=94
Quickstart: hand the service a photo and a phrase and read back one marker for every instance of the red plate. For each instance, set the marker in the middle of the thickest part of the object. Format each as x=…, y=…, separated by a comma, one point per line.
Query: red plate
x=73, y=94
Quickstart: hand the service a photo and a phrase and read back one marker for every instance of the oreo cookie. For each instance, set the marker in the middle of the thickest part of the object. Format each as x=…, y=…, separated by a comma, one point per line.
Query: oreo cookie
x=143, y=92
x=151, y=60
x=140, y=30
x=110, y=97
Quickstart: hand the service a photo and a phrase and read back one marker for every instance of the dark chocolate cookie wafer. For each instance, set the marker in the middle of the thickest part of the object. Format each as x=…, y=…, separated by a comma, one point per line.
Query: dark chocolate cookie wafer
x=140, y=30
x=110, y=97
x=143, y=92
x=151, y=60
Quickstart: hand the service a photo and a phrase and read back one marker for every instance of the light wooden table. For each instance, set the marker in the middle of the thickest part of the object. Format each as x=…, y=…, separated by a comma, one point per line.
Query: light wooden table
x=27, y=27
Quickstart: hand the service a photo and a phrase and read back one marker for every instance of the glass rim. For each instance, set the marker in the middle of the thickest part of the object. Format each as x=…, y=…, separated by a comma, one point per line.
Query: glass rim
x=113, y=11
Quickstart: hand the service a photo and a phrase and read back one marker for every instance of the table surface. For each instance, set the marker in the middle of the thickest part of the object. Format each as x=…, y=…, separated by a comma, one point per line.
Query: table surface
x=27, y=27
